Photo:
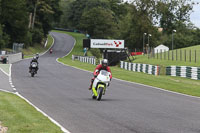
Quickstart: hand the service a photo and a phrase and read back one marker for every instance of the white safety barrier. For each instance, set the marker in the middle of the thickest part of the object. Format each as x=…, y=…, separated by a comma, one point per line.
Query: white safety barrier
x=85, y=59
x=145, y=68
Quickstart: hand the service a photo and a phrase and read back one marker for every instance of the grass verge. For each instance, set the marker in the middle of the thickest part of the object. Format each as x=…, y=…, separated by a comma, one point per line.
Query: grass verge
x=38, y=48
x=182, y=54
x=17, y=114
x=176, y=84
x=21, y=117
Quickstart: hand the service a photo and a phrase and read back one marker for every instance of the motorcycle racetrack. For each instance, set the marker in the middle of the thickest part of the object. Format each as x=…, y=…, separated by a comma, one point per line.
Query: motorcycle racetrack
x=62, y=92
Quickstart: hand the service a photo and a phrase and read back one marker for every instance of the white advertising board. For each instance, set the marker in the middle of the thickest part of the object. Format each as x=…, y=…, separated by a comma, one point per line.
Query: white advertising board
x=104, y=43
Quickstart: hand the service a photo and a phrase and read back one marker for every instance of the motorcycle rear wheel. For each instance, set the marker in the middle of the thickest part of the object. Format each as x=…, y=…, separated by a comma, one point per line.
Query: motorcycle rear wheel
x=32, y=74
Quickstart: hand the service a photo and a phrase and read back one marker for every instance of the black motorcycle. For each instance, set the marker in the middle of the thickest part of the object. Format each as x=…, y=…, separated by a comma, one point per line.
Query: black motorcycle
x=33, y=70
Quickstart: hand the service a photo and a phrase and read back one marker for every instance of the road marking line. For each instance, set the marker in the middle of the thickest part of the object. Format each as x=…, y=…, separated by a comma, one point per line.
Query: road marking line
x=12, y=86
x=4, y=72
x=6, y=91
x=51, y=119
x=137, y=83
x=16, y=93
x=39, y=110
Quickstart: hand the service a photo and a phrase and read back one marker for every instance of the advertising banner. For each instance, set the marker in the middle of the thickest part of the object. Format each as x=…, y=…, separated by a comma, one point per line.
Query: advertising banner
x=104, y=43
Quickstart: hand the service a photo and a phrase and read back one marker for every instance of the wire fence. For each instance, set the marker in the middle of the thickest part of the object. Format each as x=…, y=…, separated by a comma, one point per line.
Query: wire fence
x=176, y=55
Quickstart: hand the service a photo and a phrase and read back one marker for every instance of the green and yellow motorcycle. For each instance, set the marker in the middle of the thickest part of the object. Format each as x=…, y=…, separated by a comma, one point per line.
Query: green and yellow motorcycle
x=100, y=84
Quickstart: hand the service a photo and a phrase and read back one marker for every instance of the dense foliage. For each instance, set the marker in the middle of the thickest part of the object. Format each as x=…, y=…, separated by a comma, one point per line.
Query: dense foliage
x=29, y=21
x=26, y=21
x=111, y=19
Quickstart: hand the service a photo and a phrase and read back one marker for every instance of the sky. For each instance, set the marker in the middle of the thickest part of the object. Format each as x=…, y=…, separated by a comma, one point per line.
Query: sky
x=195, y=16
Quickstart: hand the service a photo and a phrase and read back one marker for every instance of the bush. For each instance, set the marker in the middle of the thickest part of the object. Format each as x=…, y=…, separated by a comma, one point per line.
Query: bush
x=96, y=52
x=37, y=36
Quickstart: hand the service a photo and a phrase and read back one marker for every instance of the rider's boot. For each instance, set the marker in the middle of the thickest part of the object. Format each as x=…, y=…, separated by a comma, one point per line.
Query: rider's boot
x=92, y=80
x=90, y=87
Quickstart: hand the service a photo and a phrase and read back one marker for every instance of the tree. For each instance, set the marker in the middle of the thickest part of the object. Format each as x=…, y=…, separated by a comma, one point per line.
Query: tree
x=98, y=26
x=65, y=7
x=135, y=24
x=75, y=12
x=14, y=17
x=173, y=13
x=4, y=38
x=43, y=13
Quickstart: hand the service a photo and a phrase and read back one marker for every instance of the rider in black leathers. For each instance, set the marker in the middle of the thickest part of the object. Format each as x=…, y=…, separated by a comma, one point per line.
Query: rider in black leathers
x=35, y=59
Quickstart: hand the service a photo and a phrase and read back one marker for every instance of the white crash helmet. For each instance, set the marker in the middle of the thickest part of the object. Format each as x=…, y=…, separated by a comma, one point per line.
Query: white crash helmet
x=104, y=62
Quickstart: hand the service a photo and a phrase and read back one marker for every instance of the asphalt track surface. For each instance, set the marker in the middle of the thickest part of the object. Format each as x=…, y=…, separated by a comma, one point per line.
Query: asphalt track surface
x=62, y=93
x=4, y=82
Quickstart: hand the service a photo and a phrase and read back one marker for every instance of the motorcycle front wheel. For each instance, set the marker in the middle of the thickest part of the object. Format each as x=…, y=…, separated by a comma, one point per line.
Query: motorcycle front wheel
x=99, y=92
x=94, y=97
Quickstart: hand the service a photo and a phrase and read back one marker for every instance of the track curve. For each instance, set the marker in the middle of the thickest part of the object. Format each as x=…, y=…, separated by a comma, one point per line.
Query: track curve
x=61, y=92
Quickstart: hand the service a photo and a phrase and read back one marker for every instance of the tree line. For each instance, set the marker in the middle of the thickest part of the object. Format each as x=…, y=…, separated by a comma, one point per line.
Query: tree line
x=110, y=19
x=29, y=21
x=26, y=21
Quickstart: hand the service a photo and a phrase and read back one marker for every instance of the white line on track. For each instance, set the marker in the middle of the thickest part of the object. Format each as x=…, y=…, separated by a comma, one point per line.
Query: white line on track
x=16, y=93
x=4, y=72
x=6, y=91
x=51, y=119
x=133, y=82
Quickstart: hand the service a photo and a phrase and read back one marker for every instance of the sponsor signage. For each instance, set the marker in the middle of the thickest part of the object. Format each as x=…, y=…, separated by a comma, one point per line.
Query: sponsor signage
x=104, y=43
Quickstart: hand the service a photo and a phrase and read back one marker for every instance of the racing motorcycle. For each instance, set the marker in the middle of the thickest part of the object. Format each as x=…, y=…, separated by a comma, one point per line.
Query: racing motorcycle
x=51, y=51
x=100, y=84
x=33, y=70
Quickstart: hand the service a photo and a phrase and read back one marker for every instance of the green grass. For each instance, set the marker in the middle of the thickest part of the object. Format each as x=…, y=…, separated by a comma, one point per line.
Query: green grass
x=17, y=114
x=5, y=68
x=20, y=117
x=179, y=62
x=77, y=50
x=176, y=84
x=31, y=51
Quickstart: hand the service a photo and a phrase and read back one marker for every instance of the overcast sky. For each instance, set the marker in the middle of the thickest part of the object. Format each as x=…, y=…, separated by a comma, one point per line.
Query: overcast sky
x=195, y=16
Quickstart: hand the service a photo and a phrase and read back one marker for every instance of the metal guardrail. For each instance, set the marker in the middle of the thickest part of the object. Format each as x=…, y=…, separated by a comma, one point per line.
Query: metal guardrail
x=10, y=58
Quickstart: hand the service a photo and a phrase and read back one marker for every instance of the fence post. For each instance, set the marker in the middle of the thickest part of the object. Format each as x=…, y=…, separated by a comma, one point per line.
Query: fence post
x=157, y=53
x=164, y=54
x=180, y=54
x=161, y=54
x=185, y=55
x=168, y=54
x=172, y=55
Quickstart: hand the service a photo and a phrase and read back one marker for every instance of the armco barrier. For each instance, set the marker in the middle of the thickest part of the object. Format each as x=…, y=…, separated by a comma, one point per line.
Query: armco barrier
x=145, y=68
x=12, y=58
x=184, y=71
x=85, y=59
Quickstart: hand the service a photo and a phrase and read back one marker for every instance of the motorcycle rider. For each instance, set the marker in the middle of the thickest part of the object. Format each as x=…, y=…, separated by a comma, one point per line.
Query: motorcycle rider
x=51, y=51
x=35, y=59
x=102, y=66
x=37, y=56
